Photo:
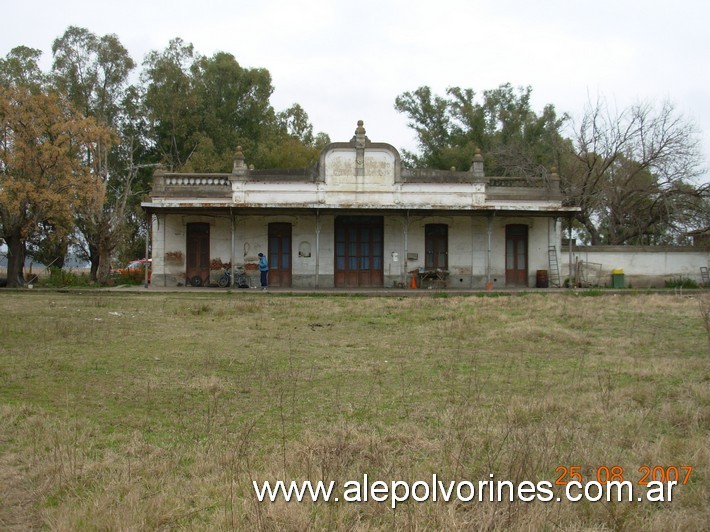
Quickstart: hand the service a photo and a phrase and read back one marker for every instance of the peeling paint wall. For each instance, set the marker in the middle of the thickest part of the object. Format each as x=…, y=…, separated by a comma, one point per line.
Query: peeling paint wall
x=313, y=255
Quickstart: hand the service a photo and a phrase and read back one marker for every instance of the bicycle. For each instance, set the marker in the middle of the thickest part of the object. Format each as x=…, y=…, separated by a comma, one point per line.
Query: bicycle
x=241, y=279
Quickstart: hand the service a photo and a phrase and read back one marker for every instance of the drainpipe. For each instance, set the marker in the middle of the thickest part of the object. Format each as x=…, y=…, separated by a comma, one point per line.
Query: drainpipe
x=317, y=248
x=231, y=251
x=165, y=228
x=570, y=251
x=473, y=249
x=148, y=236
x=488, y=259
x=405, y=262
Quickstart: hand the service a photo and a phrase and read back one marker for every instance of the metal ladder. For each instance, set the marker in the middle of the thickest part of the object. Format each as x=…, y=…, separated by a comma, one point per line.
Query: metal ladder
x=705, y=276
x=554, y=266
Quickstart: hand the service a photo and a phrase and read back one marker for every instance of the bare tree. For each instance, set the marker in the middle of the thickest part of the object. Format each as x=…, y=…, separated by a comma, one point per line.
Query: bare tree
x=632, y=173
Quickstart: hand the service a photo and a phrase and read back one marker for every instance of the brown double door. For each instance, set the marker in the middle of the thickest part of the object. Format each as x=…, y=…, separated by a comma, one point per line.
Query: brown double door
x=359, y=249
x=198, y=254
x=516, y=255
x=280, y=254
x=436, y=245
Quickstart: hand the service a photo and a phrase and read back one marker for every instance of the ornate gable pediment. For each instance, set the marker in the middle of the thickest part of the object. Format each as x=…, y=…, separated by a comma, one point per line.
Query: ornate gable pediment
x=360, y=164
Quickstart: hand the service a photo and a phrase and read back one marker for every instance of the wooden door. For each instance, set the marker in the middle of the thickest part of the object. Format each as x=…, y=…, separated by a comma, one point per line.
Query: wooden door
x=359, y=250
x=280, y=254
x=198, y=254
x=516, y=255
x=436, y=245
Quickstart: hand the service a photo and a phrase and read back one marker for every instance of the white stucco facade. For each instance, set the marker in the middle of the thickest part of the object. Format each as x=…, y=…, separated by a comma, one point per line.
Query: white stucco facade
x=357, y=219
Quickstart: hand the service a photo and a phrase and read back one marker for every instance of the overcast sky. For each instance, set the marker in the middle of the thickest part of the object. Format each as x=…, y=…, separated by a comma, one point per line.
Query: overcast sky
x=345, y=61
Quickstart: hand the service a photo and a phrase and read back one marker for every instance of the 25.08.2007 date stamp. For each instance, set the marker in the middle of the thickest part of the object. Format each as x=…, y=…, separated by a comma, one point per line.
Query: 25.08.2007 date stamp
x=603, y=474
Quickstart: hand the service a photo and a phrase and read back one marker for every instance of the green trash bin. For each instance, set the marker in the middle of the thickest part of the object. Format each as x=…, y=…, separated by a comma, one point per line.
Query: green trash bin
x=617, y=278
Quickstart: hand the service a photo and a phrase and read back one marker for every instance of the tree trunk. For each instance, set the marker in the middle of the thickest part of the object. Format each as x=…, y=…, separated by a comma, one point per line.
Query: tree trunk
x=594, y=236
x=104, y=270
x=94, y=259
x=15, y=259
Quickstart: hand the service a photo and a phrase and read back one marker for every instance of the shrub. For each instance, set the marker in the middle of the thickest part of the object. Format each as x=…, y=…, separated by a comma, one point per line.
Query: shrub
x=681, y=282
x=60, y=278
x=136, y=276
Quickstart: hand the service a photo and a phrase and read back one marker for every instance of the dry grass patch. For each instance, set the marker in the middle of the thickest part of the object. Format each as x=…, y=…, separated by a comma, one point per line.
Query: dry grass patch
x=154, y=411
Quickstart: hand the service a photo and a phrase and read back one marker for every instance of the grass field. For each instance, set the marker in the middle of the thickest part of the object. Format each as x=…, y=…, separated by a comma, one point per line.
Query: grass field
x=158, y=410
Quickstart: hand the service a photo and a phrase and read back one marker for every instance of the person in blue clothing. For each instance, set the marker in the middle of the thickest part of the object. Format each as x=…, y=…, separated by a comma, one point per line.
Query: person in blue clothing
x=264, y=269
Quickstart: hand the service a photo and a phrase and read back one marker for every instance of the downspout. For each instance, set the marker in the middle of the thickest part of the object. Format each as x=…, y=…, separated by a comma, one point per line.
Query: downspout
x=165, y=227
x=570, y=252
x=231, y=251
x=317, y=248
x=488, y=259
x=148, y=238
x=552, y=236
x=473, y=249
x=405, y=262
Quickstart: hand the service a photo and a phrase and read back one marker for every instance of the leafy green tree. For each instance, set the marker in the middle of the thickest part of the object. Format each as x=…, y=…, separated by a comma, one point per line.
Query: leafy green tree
x=92, y=71
x=294, y=122
x=94, y=74
x=172, y=103
x=430, y=118
x=513, y=138
x=235, y=105
x=292, y=143
x=202, y=108
x=20, y=68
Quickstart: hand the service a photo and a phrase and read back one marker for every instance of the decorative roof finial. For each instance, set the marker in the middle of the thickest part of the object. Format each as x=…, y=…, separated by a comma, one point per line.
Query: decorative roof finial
x=239, y=167
x=477, y=165
x=360, y=138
